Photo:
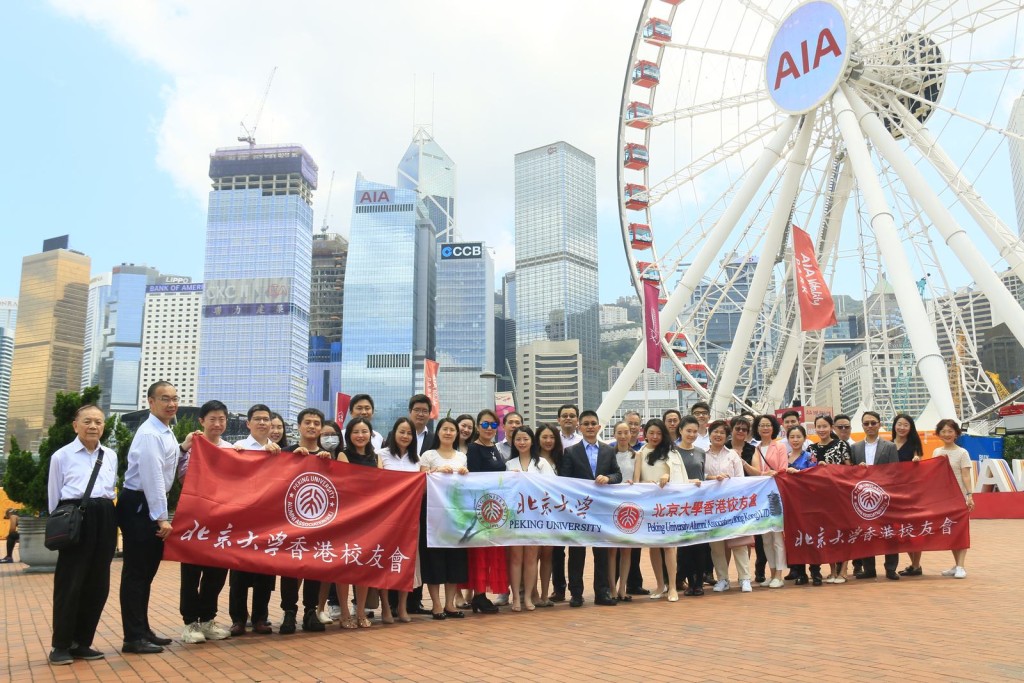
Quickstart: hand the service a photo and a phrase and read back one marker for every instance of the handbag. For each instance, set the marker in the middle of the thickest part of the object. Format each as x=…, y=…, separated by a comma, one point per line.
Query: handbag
x=64, y=525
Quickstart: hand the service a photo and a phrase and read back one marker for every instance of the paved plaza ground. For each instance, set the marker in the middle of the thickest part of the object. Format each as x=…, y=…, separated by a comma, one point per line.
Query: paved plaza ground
x=921, y=629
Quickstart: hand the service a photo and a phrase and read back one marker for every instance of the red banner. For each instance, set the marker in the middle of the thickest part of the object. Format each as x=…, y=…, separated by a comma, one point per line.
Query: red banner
x=817, y=310
x=652, y=325
x=838, y=513
x=430, y=387
x=297, y=515
x=341, y=404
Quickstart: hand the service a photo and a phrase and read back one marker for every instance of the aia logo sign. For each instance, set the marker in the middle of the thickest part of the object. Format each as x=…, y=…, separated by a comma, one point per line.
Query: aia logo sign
x=311, y=501
x=628, y=517
x=870, y=501
x=808, y=56
x=491, y=510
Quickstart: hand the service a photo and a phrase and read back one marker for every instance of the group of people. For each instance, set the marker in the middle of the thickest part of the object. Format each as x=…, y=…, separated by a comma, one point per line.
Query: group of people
x=675, y=448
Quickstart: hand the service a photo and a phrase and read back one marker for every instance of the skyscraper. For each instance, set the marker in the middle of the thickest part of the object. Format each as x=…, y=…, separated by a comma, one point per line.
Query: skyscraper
x=113, y=344
x=556, y=294
x=171, y=326
x=49, y=335
x=327, y=304
x=428, y=170
x=390, y=280
x=255, y=331
x=465, y=327
x=8, y=319
x=1016, y=147
x=549, y=376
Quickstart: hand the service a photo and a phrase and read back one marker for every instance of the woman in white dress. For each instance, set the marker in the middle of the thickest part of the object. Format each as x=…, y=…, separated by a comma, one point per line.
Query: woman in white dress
x=523, y=558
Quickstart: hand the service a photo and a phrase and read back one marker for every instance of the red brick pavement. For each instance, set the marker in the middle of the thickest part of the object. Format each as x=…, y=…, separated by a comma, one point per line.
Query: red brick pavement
x=922, y=629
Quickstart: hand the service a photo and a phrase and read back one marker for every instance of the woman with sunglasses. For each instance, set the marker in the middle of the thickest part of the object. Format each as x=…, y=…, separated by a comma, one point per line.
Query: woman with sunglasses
x=487, y=566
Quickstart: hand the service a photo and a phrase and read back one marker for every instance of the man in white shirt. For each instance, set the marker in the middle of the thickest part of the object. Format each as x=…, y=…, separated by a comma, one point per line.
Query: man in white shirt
x=511, y=422
x=81, y=582
x=844, y=426
x=702, y=411
x=153, y=461
x=568, y=421
x=362, y=406
x=258, y=422
x=867, y=453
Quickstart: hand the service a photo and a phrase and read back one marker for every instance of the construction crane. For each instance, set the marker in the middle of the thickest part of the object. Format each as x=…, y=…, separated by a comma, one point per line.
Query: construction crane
x=997, y=382
x=327, y=206
x=250, y=133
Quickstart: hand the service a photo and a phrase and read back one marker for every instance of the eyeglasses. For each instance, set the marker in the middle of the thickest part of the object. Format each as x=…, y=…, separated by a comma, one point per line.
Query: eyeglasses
x=420, y=411
x=260, y=420
x=488, y=425
x=844, y=426
x=701, y=413
x=871, y=424
x=168, y=399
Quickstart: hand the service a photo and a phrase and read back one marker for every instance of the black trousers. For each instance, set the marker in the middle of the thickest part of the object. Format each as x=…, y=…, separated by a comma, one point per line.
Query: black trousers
x=635, y=578
x=558, y=569
x=142, y=553
x=891, y=562
x=760, y=559
x=577, y=560
x=262, y=586
x=81, y=582
x=12, y=538
x=200, y=589
x=290, y=594
x=801, y=569
x=692, y=564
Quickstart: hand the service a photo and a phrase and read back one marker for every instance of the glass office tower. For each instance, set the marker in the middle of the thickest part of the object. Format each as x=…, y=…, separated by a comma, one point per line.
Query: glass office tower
x=427, y=169
x=8, y=319
x=390, y=279
x=556, y=297
x=255, y=332
x=465, y=327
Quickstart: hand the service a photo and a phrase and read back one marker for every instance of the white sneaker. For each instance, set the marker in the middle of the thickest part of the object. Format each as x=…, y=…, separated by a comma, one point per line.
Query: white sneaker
x=830, y=579
x=721, y=586
x=960, y=573
x=766, y=583
x=745, y=586
x=501, y=600
x=193, y=633
x=333, y=612
x=776, y=583
x=212, y=631
x=324, y=617
x=950, y=572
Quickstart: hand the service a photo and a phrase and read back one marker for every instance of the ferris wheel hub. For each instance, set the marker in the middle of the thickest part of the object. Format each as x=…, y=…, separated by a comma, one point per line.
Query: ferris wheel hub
x=807, y=57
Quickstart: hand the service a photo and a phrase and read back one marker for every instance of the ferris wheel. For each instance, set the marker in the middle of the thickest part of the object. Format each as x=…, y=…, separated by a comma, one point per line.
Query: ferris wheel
x=880, y=128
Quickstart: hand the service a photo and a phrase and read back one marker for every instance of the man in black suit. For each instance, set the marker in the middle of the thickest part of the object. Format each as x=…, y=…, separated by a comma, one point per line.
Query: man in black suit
x=420, y=407
x=870, y=452
x=593, y=460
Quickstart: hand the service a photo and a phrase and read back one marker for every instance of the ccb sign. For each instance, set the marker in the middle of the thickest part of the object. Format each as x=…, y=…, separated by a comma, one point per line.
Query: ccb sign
x=462, y=251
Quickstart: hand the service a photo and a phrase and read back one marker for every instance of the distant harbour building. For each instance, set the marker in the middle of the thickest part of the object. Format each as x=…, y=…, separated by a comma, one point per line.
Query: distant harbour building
x=556, y=256
x=327, y=305
x=390, y=292
x=171, y=325
x=549, y=375
x=99, y=292
x=8, y=320
x=254, y=343
x=48, y=338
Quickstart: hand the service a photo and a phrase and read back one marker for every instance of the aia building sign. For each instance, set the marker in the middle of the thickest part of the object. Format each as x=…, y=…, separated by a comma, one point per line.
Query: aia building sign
x=462, y=250
x=808, y=56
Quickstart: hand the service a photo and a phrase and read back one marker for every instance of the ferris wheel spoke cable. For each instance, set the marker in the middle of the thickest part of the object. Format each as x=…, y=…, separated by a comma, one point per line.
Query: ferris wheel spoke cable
x=719, y=106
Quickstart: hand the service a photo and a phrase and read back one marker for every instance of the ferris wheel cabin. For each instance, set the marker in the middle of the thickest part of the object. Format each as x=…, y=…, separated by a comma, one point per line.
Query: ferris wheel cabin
x=677, y=341
x=648, y=271
x=646, y=74
x=635, y=196
x=638, y=115
x=640, y=236
x=657, y=31
x=635, y=156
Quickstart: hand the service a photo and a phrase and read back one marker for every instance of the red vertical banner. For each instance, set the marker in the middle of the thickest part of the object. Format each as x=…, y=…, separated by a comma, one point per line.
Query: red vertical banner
x=817, y=310
x=430, y=387
x=341, y=404
x=652, y=325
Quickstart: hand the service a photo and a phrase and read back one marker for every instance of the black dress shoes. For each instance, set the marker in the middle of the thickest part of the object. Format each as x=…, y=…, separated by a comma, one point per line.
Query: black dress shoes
x=576, y=601
x=638, y=591
x=866, y=575
x=86, y=653
x=311, y=623
x=157, y=640
x=60, y=656
x=140, y=647
x=606, y=600
x=558, y=597
x=801, y=581
x=892, y=575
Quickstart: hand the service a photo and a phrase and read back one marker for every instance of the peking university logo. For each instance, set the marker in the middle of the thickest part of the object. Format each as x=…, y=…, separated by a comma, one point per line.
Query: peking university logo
x=491, y=510
x=311, y=501
x=627, y=517
x=870, y=501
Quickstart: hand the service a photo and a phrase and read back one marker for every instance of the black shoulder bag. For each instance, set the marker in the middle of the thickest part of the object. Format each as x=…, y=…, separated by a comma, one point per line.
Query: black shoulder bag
x=64, y=526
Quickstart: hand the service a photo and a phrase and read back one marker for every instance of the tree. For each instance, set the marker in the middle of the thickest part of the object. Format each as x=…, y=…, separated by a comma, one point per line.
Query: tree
x=21, y=470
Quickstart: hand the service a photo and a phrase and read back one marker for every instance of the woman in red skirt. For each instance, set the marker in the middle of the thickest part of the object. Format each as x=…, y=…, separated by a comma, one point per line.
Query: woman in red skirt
x=487, y=566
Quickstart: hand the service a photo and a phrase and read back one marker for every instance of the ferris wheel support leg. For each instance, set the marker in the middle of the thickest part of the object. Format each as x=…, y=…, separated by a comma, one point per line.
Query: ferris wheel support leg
x=680, y=296
x=1002, y=238
x=915, y=318
x=955, y=236
x=752, y=304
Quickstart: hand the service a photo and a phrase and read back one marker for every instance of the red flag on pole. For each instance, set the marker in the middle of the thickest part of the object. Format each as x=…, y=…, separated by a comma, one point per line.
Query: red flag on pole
x=341, y=404
x=430, y=387
x=817, y=310
x=652, y=325
x=297, y=515
x=837, y=513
